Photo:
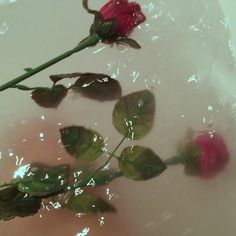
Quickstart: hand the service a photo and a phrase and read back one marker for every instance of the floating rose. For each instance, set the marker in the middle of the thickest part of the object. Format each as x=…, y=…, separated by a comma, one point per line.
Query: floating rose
x=115, y=21
x=126, y=14
x=205, y=156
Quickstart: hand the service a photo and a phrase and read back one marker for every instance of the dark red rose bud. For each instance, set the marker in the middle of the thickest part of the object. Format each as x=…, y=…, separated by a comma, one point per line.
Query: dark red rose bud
x=126, y=15
x=206, y=155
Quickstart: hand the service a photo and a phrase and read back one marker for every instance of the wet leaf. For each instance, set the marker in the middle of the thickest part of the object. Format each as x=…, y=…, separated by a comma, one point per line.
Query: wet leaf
x=133, y=114
x=88, y=203
x=49, y=97
x=140, y=163
x=84, y=144
x=14, y=203
x=56, y=78
x=128, y=42
x=99, y=87
x=42, y=180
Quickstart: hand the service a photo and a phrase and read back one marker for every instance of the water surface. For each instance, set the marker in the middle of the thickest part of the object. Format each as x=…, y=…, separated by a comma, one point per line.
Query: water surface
x=186, y=60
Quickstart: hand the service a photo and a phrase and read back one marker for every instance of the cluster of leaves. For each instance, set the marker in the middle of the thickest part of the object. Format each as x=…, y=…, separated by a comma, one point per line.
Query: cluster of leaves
x=100, y=87
x=133, y=117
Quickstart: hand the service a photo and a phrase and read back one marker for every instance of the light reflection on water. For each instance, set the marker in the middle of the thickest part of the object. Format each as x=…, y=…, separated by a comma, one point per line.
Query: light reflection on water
x=21, y=171
x=3, y=28
x=6, y=2
x=84, y=232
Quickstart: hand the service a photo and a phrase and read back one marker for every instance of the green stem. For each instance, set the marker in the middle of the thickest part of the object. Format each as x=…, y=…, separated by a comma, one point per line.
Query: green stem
x=89, y=41
x=84, y=182
x=109, y=153
x=175, y=160
x=101, y=180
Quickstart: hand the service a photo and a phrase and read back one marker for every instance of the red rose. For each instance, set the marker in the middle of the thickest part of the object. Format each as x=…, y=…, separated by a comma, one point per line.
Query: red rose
x=127, y=15
x=206, y=155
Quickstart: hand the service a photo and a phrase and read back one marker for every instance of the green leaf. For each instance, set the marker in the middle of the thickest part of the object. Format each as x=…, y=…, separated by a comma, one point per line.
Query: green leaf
x=133, y=114
x=49, y=97
x=14, y=203
x=84, y=144
x=99, y=87
x=140, y=163
x=128, y=42
x=88, y=203
x=42, y=180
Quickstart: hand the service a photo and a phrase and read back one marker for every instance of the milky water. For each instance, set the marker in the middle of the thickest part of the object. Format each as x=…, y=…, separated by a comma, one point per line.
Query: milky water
x=186, y=60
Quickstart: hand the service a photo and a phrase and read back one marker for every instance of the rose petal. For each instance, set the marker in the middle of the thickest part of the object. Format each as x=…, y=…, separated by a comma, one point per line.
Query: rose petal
x=128, y=15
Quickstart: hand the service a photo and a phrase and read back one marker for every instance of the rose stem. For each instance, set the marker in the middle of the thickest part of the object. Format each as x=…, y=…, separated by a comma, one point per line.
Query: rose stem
x=84, y=182
x=89, y=41
x=175, y=160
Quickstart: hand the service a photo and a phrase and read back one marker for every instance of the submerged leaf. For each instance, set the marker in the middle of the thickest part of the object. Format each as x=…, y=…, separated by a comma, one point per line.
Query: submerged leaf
x=56, y=78
x=88, y=203
x=42, y=180
x=140, y=163
x=49, y=97
x=128, y=42
x=133, y=114
x=98, y=87
x=14, y=203
x=84, y=144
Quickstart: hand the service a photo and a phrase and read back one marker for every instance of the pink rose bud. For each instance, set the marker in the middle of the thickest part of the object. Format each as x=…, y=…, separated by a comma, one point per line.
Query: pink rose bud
x=127, y=15
x=206, y=155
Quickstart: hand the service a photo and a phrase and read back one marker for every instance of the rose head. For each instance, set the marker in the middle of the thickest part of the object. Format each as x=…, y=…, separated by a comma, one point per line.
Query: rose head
x=127, y=15
x=206, y=155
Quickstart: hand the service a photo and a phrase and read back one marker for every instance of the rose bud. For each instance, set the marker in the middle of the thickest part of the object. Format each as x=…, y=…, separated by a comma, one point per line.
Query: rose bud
x=115, y=21
x=127, y=15
x=205, y=156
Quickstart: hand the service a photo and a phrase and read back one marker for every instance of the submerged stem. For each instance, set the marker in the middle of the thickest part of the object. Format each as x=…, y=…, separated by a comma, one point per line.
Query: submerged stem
x=89, y=41
x=175, y=160
x=84, y=182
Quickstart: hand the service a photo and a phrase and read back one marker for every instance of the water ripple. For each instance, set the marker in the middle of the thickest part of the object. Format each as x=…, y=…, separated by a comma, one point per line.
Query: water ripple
x=6, y=2
x=3, y=28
